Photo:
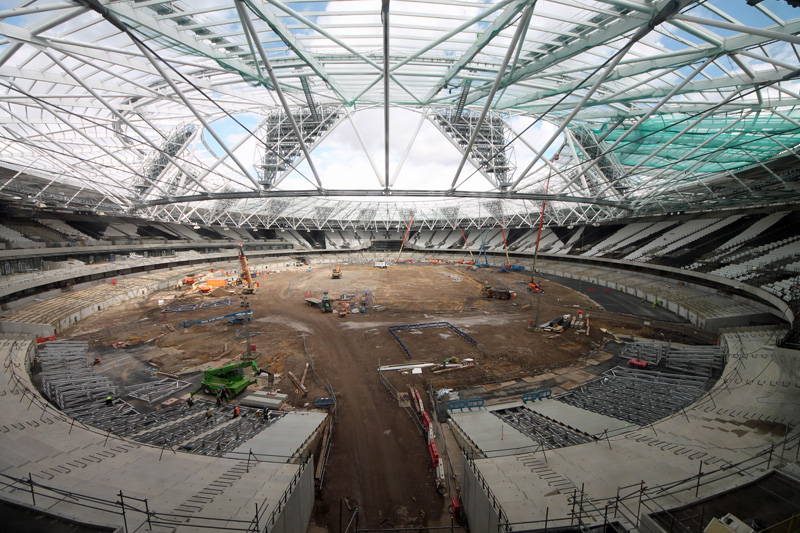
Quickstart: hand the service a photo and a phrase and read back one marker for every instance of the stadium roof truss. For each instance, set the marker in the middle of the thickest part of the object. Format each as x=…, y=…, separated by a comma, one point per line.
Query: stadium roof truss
x=240, y=111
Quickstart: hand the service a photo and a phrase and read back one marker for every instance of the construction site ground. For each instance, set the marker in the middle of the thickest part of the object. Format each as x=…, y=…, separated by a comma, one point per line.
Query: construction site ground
x=379, y=461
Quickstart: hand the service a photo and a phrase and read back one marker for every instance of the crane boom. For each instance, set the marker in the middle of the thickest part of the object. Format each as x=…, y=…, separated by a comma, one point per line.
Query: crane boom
x=505, y=243
x=249, y=286
x=466, y=242
x=402, y=244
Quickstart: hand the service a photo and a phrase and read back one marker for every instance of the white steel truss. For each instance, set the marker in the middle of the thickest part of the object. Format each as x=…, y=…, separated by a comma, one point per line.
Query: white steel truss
x=357, y=114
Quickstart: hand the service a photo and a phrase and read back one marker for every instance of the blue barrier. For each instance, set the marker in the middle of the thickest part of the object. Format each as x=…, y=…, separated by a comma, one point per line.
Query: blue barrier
x=464, y=404
x=539, y=395
x=398, y=341
x=406, y=327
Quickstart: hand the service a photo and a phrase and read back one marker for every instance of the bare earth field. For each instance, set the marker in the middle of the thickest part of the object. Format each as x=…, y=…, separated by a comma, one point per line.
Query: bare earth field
x=379, y=463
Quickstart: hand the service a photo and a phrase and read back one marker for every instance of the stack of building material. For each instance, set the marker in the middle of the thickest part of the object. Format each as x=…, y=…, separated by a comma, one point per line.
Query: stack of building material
x=698, y=360
x=69, y=381
x=263, y=398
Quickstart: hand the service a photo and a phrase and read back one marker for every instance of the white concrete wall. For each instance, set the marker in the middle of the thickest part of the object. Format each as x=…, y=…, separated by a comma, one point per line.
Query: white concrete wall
x=481, y=514
x=296, y=512
x=789, y=362
x=22, y=328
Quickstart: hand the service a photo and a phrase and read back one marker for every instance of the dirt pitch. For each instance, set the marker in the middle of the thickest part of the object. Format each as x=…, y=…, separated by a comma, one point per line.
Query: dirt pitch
x=379, y=462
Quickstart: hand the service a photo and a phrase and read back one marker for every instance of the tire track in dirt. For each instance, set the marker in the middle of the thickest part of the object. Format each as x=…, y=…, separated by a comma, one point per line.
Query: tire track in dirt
x=378, y=461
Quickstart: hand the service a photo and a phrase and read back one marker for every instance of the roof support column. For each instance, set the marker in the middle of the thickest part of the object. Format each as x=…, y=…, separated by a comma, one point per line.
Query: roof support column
x=521, y=27
x=248, y=24
x=408, y=149
x=364, y=146
x=385, y=23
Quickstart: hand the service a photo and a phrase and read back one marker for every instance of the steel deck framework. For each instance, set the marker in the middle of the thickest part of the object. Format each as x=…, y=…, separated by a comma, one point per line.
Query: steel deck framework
x=607, y=108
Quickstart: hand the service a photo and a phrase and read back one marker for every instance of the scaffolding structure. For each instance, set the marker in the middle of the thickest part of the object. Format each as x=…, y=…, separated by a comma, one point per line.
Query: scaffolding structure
x=155, y=167
x=491, y=150
x=282, y=147
x=69, y=381
x=606, y=169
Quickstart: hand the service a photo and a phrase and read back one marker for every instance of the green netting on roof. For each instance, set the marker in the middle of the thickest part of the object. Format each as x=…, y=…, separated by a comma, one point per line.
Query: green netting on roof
x=717, y=143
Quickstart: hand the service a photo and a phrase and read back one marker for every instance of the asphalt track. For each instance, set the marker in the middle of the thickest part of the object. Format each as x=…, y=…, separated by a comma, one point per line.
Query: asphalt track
x=616, y=301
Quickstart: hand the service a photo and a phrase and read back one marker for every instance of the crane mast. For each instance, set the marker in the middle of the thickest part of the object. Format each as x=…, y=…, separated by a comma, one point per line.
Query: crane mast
x=249, y=286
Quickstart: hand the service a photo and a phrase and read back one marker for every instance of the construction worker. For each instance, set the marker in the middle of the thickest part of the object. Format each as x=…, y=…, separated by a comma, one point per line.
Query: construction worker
x=265, y=412
x=189, y=402
x=96, y=361
x=236, y=411
x=209, y=414
x=109, y=401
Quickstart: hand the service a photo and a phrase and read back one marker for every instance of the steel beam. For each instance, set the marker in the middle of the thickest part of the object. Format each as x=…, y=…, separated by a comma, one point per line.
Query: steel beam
x=248, y=24
x=373, y=193
x=498, y=24
x=280, y=29
x=521, y=27
x=675, y=90
x=775, y=33
x=667, y=11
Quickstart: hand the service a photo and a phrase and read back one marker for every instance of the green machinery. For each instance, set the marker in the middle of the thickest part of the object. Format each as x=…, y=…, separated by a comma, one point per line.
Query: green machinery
x=232, y=377
x=326, y=303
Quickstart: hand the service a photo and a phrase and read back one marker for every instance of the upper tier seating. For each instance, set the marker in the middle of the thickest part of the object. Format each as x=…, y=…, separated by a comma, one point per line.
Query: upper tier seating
x=753, y=231
x=644, y=253
x=646, y=232
x=765, y=255
x=13, y=236
x=121, y=229
x=65, y=229
x=612, y=241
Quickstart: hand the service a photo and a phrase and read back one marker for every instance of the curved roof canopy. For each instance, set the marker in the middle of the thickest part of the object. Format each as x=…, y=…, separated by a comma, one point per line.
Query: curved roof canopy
x=344, y=113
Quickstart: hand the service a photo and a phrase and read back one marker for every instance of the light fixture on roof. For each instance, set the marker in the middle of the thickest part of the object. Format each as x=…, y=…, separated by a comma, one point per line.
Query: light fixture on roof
x=226, y=228
x=570, y=226
x=196, y=226
x=595, y=224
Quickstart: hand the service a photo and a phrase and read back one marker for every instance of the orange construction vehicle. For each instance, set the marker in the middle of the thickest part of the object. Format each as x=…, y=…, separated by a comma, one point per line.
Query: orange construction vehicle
x=535, y=287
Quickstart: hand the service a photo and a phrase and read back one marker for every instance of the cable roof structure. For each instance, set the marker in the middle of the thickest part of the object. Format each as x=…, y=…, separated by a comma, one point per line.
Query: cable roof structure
x=349, y=113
